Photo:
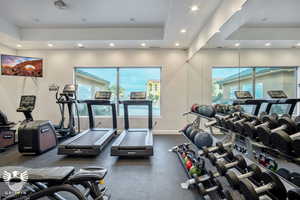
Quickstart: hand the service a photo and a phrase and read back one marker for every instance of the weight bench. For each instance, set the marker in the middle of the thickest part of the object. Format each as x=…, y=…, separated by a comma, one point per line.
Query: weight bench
x=48, y=182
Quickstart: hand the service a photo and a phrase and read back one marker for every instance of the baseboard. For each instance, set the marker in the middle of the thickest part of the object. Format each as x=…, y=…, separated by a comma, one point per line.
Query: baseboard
x=165, y=132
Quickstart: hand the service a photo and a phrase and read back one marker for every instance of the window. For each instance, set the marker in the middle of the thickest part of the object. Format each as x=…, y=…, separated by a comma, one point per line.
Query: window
x=120, y=81
x=226, y=80
x=140, y=80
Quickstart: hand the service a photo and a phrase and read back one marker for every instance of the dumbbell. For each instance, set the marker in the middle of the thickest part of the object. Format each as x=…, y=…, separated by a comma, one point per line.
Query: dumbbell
x=294, y=194
x=229, y=122
x=284, y=141
x=254, y=171
x=200, y=179
x=219, y=147
x=216, y=188
x=213, y=157
x=284, y=123
x=267, y=121
x=239, y=162
x=233, y=195
x=216, y=120
x=239, y=125
x=273, y=187
x=249, y=127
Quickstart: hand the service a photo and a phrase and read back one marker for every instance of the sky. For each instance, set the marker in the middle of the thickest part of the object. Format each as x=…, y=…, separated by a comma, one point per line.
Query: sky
x=135, y=79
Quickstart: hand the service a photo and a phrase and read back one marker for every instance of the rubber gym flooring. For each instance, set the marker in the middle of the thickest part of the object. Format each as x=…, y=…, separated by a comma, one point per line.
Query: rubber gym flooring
x=158, y=177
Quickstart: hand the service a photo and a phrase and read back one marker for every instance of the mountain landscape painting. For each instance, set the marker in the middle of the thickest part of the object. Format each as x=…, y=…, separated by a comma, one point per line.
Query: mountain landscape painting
x=21, y=66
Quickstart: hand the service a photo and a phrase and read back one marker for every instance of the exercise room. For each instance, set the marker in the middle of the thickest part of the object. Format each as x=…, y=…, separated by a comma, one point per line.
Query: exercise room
x=150, y=100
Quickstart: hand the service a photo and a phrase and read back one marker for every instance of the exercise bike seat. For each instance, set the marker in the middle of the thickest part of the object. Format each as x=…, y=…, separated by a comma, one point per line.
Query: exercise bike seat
x=49, y=174
x=89, y=174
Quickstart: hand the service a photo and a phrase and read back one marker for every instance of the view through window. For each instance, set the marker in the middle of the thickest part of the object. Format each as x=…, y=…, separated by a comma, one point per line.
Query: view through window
x=120, y=81
x=257, y=80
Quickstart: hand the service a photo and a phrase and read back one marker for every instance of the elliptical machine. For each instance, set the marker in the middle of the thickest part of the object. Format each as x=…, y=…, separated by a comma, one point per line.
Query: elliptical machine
x=66, y=99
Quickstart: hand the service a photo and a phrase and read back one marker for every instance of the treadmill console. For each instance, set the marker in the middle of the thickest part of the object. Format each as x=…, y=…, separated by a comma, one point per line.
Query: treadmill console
x=103, y=95
x=27, y=103
x=138, y=95
x=277, y=94
x=243, y=95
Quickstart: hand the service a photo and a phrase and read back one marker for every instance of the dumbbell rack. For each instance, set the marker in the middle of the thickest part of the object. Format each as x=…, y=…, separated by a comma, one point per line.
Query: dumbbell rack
x=250, y=145
x=212, y=195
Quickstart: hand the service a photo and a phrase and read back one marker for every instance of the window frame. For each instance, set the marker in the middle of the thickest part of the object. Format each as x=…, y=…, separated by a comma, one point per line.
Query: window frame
x=118, y=86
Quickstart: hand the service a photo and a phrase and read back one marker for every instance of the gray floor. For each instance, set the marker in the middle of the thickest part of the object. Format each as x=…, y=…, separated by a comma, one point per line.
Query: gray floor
x=128, y=179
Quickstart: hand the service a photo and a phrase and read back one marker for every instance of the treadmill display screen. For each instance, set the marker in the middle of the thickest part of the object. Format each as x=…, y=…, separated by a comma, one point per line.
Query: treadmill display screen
x=138, y=95
x=243, y=95
x=104, y=95
x=277, y=94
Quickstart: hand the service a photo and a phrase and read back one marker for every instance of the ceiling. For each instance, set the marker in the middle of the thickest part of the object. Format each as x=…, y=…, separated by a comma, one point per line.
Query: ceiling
x=261, y=24
x=85, y=13
x=97, y=23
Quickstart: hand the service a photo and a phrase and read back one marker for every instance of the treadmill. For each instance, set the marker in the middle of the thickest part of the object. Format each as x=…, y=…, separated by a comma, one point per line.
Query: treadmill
x=135, y=142
x=279, y=97
x=92, y=141
x=245, y=98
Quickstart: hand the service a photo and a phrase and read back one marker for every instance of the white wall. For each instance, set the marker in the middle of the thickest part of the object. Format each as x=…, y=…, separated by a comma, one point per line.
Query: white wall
x=199, y=73
x=7, y=91
x=58, y=68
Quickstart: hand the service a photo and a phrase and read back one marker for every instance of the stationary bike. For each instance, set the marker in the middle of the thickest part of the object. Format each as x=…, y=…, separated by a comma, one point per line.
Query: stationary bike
x=66, y=99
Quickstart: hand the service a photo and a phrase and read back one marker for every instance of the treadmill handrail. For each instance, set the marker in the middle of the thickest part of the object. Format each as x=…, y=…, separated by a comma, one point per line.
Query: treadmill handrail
x=292, y=104
x=96, y=102
x=137, y=102
x=257, y=102
x=92, y=102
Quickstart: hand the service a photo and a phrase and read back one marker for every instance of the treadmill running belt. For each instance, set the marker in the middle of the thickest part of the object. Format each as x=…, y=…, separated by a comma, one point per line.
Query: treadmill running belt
x=89, y=138
x=134, y=138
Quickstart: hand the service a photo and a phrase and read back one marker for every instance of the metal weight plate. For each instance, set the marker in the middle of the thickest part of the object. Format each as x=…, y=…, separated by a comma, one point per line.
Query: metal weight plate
x=264, y=134
x=233, y=195
x=294, y=194
x=278, y=190
x=282, y=141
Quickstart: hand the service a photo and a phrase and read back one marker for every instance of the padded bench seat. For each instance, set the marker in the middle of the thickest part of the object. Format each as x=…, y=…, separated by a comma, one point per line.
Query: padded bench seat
x=49, y=174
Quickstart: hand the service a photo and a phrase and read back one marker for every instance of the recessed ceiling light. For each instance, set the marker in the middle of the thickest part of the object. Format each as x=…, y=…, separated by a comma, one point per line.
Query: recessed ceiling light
x=19, y=46
x=111, y=44
x=177, y=44
x=36, y=20
x=194, y=8
x=183, y=30
x=50, y=45
x=60, y=4
x=237, y=44
x=80, y=45
x=298, y=44
x=268, y=44
x=143, y=44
